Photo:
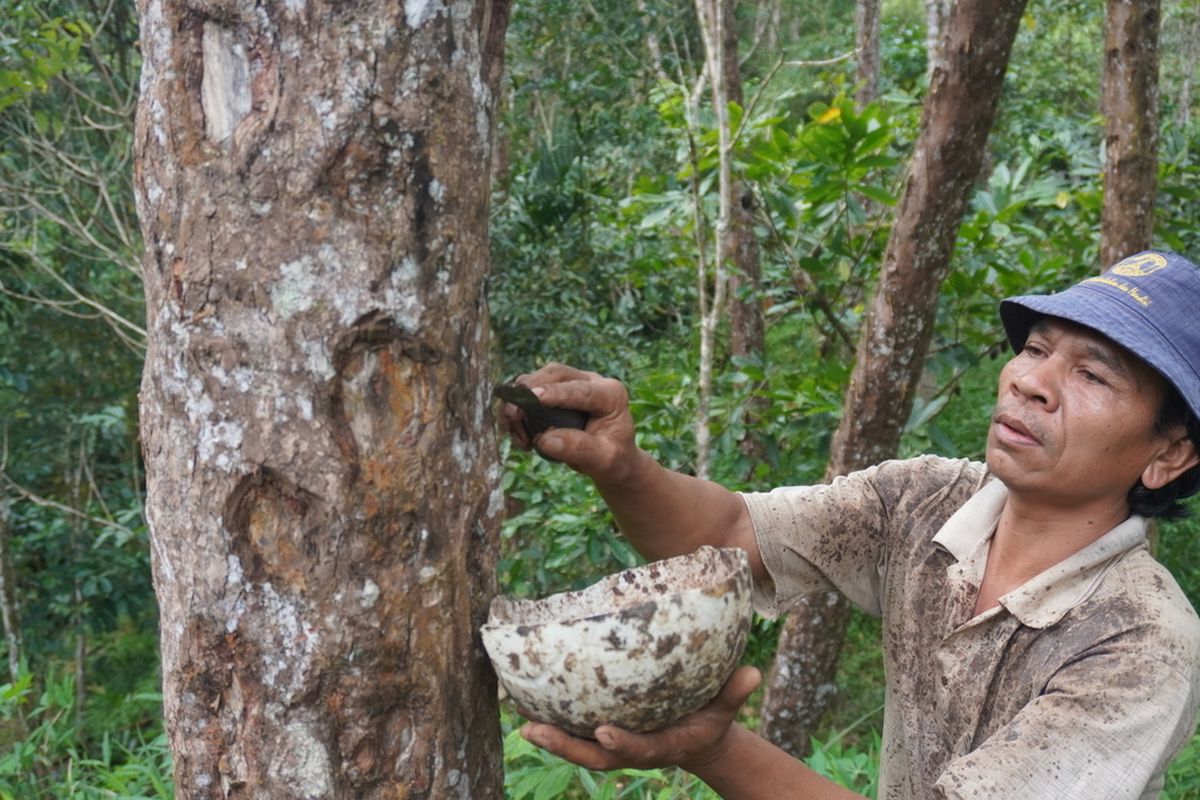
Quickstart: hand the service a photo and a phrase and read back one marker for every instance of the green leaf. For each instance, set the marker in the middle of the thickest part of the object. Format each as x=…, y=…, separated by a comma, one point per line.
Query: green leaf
x=876, y=193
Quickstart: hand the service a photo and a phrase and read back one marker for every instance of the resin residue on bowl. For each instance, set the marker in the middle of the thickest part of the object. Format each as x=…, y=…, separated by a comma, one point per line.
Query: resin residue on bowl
x=638, y=649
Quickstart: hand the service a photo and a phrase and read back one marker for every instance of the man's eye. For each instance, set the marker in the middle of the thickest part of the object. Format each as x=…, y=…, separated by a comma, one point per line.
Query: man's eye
x=1092, y=377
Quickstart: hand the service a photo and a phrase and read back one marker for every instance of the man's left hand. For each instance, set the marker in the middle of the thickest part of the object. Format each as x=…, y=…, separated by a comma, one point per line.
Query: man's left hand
x=694, y=741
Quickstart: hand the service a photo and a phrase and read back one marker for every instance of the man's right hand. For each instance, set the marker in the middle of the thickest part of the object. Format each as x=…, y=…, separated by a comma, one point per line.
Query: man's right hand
x=605, y=450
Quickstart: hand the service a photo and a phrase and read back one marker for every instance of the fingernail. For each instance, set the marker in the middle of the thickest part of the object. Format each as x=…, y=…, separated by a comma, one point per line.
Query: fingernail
x=527, y=732
x=539, y=390
x=550, y=444
x=605, y=738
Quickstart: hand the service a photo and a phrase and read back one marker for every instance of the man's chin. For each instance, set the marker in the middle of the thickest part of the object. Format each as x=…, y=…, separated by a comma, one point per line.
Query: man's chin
x=1001, y=464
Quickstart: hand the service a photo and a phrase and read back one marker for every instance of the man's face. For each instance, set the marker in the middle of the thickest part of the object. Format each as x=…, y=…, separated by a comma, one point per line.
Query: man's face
x=1074, y=418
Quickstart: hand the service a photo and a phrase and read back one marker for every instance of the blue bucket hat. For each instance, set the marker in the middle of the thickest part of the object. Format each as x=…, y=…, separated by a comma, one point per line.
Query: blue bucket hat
x=1148, y=303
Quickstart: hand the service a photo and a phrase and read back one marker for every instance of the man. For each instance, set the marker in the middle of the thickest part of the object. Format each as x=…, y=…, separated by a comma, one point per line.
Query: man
x=1033, y=648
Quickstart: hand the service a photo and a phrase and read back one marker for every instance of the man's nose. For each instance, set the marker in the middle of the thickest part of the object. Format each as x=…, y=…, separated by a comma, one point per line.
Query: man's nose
x=1038, y=381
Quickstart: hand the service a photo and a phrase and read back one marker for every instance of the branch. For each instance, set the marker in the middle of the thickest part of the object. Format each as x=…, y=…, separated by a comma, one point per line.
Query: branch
x=46, y=502
x=825, y=62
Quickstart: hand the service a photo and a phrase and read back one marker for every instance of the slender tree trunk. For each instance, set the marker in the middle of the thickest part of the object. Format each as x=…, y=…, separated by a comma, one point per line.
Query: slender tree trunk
x=8, y=595
x=652, y=45
x=1130, y=104
x=10, y=612
x=322, y=475
x=712, y=17
x=747, y=328
x=768, y=15
x=866, y=43
x=1189, y=56
x=937, y=15
x=75, y=481
x=958, y=115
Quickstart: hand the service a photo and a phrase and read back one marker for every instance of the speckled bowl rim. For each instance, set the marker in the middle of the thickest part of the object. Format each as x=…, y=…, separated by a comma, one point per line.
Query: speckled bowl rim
x=602, y=590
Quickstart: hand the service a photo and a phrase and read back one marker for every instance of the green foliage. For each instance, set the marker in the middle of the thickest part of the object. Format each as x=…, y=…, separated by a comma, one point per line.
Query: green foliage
x=558, y=535
x=49, y=753
x=1183, y=778
x=850, y=766
x=35, y=48
x=604, y=186
x=531, y=773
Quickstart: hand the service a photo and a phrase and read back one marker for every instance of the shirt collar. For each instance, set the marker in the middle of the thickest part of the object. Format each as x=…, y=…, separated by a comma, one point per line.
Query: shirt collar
x=1047, y=597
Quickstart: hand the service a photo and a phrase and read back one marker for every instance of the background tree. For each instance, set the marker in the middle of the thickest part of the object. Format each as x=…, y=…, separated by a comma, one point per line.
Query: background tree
x=960, y=108
x=1130, y=105
x=866, y=46
x=320, y=461
x=1183, y=43
x=937, y=18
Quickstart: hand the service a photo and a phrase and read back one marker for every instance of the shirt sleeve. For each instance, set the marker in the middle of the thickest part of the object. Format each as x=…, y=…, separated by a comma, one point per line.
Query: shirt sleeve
x=835, y=536
x=1107, y=726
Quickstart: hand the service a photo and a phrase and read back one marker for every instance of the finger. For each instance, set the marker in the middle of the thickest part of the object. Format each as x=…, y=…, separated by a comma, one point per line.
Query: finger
x=596, y=395
x=583, y=752
x=513, y=419
x=737, y=689
x=587, y=453
x=641, y=750
x=554, y=373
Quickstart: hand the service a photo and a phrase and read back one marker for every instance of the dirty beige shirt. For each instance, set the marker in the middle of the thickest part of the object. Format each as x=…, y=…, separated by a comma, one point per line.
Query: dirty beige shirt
x=1082, y=683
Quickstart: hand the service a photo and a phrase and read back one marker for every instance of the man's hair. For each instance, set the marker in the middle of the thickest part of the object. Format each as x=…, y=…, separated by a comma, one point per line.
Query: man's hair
x=1166, y=502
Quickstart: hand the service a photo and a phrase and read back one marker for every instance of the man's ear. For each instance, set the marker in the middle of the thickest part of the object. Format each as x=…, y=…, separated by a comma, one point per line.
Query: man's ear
x=1176, y=458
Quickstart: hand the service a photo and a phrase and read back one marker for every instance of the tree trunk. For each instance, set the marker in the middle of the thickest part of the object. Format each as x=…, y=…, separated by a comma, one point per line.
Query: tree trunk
x=652, y=45
x=1130, y=105
x=866, y=43
x=747, y=327
x=1189, y=56
x=937, y=16
x=958, y=115
x=712, y=17
x=74, y=480
x=321, y=466
x=8, y=596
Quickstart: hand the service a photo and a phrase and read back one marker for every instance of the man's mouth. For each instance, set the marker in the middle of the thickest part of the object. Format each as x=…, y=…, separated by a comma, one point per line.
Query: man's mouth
x=1012, y=429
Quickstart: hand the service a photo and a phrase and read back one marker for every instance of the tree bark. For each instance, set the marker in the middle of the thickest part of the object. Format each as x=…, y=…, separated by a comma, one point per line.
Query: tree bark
x=1189, y=56
x=937, y=16
x=1130, y=105
x=739, y=249
x=957, y=117
x=8, y=595
x=866, y=43
x=712, y=17
x=740, y=245
x=322, y=473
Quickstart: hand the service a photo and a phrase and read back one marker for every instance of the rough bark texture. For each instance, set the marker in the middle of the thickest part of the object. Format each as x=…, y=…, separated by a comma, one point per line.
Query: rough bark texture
x=321, y=465
x=866, y=42
x=1130, y=98
x=741, y=246
x=747, y=327
x=958, y=114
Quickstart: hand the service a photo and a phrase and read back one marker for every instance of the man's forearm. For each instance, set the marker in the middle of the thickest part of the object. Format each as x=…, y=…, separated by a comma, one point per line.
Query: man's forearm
x=665, y=513
x=751, y=768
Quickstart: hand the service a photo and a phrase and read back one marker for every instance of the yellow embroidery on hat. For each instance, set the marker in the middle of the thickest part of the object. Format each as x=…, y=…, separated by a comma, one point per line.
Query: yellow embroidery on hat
x=1139, y=265
x=1121, y=286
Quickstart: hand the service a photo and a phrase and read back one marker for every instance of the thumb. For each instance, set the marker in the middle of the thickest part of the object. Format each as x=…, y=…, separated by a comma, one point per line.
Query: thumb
x=737, y=689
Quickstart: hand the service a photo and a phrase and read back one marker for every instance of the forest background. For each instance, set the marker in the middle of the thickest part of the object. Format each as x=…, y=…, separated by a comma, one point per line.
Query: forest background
x=604, y=194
